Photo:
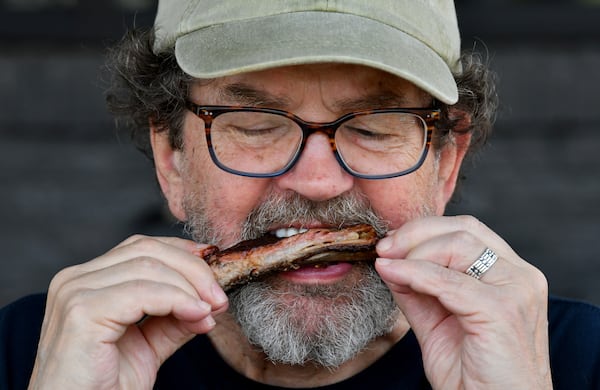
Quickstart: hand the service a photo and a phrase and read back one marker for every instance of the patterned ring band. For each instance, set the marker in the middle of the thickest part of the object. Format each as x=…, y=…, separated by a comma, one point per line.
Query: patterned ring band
x=482, y=264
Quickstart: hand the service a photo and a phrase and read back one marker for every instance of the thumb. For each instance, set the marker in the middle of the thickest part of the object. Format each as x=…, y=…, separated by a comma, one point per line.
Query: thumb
x=423, y=312
x=165, y=335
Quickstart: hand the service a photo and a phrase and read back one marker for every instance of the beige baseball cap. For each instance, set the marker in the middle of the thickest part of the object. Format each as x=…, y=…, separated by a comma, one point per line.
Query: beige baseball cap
x=417, y=40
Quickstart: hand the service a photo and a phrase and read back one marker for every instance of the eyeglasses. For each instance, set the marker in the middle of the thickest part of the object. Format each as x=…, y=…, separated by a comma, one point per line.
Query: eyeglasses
x=370, y=144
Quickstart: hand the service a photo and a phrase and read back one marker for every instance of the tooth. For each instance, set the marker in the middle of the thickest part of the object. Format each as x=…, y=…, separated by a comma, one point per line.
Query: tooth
x=283, y=232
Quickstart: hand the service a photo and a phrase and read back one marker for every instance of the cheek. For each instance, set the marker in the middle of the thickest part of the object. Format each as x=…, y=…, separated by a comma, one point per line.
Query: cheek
x=233, y=199
x=404, y=198
x=227, y=198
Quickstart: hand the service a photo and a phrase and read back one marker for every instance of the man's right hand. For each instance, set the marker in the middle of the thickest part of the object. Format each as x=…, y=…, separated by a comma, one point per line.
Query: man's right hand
x=110, y=323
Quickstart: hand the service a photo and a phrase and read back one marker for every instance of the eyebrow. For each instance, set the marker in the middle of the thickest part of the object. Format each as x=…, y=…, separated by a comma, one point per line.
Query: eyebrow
x=246, y=95
x=383, y=99
x=243, y=94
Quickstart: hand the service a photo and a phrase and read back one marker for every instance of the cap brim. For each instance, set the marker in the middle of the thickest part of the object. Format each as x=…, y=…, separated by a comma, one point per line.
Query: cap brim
x=297, y=38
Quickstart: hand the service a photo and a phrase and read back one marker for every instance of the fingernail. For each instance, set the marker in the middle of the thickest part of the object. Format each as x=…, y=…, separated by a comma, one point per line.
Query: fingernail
x=383, y=261
x=204, y=306
x=210, y=321
x=384, y=244
x=218, y=294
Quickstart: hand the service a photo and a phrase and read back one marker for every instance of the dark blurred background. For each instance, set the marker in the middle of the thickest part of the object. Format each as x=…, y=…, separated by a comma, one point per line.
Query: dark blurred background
x=72, y=186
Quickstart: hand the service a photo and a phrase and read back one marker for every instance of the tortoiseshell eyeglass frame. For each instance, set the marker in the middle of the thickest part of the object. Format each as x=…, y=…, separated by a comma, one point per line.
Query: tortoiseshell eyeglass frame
x=208, y=113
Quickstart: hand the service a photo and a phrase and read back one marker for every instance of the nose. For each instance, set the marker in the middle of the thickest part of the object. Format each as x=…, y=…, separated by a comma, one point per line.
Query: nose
x=317, y=175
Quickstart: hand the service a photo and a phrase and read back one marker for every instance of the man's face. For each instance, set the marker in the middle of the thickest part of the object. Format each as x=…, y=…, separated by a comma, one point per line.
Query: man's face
x=318, y=93
x=223, y=208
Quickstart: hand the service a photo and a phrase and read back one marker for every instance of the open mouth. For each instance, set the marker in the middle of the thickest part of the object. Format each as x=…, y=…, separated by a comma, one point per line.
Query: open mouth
x=320, y=247
x=287, y=232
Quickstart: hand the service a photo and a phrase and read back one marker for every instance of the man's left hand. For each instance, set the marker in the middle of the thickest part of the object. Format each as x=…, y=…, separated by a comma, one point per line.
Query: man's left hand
x=474, y=333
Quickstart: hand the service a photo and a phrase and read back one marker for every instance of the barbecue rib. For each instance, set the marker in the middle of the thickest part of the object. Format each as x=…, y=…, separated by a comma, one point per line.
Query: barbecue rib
x=250, y=259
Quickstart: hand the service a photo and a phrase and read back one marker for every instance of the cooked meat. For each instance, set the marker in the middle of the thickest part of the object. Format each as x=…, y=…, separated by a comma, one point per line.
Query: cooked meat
x=253, y=258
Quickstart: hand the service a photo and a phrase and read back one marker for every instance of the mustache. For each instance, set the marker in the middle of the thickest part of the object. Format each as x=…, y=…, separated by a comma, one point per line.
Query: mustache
x=283, y=209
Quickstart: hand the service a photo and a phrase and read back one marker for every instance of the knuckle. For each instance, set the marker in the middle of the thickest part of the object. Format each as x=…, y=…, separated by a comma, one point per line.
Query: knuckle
x=461, y=238
x=145, y=264
x=62, y=278
x=539, y=282
x=77, y=306
x=134, y=238
x=70, y=301
x=533, y=280
x=452, y=277
x=452, y=285
x=138, y=287
x=449, y=277
x=532, y=293
x=145, y=244
x=469, y=222
x=88, y=307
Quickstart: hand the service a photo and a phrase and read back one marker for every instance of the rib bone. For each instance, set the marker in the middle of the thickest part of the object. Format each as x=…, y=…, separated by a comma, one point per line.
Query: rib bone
x=250, y=259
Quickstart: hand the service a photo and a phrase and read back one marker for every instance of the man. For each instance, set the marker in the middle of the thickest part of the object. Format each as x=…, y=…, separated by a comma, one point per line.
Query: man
x=273, y=117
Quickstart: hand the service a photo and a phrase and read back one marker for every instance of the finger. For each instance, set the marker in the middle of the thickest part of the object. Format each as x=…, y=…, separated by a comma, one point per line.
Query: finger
x=181, y=243
x=462, y=294
x=179, y=254
x=399, y=242
x=455, y=291
x=114, y=308
x=136, y=269
x=167, y=334
x=192, y=268
x=163, y=248
x=423, y=312
x=459, y=251
x=432, y=296
x=97, y=320
x=159, y=247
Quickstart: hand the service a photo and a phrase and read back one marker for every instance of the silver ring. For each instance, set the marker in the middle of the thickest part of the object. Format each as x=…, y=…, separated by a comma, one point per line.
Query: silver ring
x=482, y=264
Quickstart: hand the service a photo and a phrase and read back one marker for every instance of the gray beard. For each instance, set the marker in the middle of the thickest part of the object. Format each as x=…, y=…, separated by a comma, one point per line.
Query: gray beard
x=295, y=324
x=324, y=325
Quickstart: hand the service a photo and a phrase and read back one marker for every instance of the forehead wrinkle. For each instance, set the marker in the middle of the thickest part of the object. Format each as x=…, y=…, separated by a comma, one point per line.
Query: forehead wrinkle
x=381, y=99
x=246, y=95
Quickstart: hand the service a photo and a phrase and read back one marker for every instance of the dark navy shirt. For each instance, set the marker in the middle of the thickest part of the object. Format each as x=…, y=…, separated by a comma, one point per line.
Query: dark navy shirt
x=574, y=355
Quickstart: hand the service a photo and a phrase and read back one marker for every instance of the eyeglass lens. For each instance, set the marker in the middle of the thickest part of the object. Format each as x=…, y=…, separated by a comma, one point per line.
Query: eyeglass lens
x=369, y=144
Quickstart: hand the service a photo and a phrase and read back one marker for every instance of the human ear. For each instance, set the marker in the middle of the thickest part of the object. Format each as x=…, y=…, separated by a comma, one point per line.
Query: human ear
x=168, y=165
x=451, y=156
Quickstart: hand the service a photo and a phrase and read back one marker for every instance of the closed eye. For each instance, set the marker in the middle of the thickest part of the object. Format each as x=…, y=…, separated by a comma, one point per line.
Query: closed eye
x=367, y=134
x=257, y=132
